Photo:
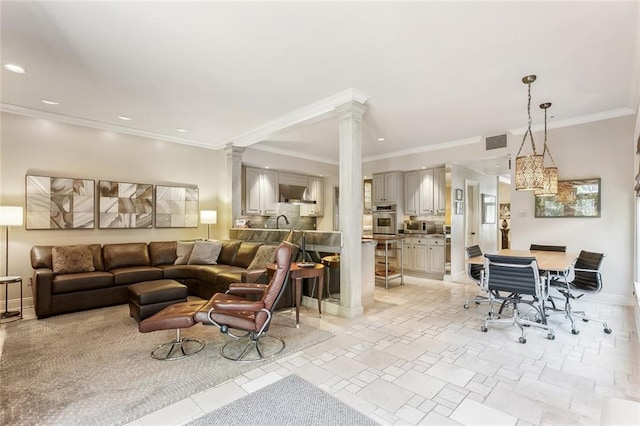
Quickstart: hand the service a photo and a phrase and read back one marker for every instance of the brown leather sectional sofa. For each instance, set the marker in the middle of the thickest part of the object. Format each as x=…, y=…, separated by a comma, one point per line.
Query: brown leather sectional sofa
x=119, y=265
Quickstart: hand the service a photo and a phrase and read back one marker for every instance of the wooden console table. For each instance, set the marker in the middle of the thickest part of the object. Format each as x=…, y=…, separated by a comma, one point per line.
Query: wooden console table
x=297, y=274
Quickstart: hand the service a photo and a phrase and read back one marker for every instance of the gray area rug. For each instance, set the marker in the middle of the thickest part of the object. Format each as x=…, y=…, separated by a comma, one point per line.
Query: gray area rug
x=290, y=401
x=95, y=368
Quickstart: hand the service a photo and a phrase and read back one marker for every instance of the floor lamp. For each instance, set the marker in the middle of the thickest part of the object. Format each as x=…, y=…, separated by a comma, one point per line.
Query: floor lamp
x=209, y=217
x=9, y=216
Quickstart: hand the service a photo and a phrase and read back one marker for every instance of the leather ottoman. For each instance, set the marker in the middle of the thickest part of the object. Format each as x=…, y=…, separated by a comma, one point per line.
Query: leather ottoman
x=148, y=297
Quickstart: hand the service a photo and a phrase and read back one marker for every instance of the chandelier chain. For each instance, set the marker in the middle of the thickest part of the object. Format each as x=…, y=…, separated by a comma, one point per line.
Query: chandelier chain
x=533, y=145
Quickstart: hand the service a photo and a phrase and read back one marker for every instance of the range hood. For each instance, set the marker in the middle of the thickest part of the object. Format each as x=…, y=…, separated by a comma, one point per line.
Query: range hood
x=294, y=194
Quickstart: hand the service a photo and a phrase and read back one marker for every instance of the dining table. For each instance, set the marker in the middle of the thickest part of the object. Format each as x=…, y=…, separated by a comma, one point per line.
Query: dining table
x=552, y=261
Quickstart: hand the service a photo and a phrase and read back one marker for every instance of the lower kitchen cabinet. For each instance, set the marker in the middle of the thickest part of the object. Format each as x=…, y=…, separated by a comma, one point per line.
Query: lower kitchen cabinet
x=425, y=255
x=437, y=256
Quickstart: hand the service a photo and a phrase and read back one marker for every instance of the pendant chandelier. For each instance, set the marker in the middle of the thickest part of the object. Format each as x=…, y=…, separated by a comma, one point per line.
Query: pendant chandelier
x=550, y=182
x=529, y=168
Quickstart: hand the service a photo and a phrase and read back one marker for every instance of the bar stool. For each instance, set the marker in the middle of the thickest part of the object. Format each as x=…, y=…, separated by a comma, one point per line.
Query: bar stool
x=330, y=262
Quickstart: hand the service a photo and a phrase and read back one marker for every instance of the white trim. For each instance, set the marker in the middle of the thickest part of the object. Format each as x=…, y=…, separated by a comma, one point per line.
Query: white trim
x=324, y=108
x=426, y=148
x=605, y=115
x=34, y=113
x=290, y=153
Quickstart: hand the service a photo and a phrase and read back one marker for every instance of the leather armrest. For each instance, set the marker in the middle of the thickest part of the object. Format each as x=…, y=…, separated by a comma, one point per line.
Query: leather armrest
x=42, y=282
x=246, y=288
x=222, y=305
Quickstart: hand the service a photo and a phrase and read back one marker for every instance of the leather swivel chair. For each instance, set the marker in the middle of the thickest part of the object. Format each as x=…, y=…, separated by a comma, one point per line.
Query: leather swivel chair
x=248, y=308
x=586, y=280
x=519, y=277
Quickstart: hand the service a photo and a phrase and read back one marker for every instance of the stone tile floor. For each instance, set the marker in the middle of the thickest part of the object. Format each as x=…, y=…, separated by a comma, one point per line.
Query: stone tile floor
x=418, y=357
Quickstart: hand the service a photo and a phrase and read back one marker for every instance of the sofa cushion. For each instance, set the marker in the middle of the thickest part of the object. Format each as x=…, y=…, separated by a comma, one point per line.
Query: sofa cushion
x=183, y=252
x=229, y=250
x=69, y=283
x=72, y=259
x=246, y=253
x=205, y=253
x=265, y=255
x=162, y=252
x=125, y=254
x=135, y=274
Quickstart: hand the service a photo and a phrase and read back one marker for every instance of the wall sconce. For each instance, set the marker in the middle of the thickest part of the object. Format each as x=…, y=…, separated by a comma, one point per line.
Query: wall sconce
x=529, y=168
x=209, y=217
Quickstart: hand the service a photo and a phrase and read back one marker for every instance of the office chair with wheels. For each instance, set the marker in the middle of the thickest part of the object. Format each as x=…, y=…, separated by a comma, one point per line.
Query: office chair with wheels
x=231, y=311
x=519, y=277
x=475, y=273
x=586, y=280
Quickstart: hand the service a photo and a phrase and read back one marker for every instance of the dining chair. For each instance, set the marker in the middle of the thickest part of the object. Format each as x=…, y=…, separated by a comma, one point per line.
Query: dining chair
x=519, y=277
x=475, y=273
x=587, y=279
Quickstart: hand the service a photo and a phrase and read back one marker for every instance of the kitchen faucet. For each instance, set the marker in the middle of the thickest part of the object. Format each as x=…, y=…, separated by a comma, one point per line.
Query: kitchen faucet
x=286, y=221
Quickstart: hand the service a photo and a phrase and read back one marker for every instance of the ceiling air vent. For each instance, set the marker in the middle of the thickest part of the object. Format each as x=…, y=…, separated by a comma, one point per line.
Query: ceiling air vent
x=495, y=142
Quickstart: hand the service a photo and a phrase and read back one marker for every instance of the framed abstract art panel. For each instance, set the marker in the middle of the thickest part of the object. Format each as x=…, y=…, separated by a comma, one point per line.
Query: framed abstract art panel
x=125, y=205
x=575, y=198
x=176, y=207
x=59, y=203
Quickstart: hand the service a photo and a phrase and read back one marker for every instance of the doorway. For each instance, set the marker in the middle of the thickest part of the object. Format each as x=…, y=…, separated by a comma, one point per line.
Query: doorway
x=472, y=213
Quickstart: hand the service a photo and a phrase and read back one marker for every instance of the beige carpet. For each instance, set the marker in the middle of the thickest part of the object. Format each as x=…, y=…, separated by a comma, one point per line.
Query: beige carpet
x=94, y=367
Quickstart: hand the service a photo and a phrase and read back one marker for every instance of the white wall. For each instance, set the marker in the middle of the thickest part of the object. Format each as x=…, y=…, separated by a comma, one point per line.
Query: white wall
x=600, y=149
x=43, y=147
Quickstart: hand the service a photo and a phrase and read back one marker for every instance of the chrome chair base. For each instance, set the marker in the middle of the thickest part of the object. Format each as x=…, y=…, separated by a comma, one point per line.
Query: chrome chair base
x=177, y=349
x=251, y=348
x=570, y=314
x=516, y=319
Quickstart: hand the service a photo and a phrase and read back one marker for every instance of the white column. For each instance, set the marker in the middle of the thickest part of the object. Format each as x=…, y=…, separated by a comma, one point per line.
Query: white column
x=234, y=176
x=351, y=208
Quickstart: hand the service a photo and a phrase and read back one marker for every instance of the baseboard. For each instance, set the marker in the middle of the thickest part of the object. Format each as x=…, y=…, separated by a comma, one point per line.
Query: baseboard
x=14, y=304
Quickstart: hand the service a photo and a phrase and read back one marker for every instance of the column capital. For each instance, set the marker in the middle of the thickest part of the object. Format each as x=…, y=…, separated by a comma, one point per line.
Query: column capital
x=231, y=150
x=351, y=109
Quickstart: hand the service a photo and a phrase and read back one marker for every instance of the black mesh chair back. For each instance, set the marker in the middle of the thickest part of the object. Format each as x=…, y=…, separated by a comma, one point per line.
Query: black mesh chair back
x=545, y=247
x=474, y=271
x=586, y=271
x=511, y=274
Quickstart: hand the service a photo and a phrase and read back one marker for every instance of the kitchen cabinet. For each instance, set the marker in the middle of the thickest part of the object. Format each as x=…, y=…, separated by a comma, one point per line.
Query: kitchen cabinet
x=385, y=188
x=415, y=254
x=316, y=192
x=412, y=194
x=436, y=256
x=425, y=192
x=261, y=191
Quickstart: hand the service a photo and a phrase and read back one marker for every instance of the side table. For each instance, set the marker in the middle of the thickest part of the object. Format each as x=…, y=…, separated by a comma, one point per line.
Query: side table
x=6, y=281
x=296, y=274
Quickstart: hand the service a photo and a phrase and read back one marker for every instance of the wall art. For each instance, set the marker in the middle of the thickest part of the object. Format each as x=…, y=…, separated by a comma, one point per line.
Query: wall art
x=575, y=198
x=176, y=207
x=59, y=203
x=125, y=205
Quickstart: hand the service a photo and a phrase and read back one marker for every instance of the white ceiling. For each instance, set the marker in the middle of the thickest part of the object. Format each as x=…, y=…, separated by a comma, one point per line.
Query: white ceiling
x=433, y=72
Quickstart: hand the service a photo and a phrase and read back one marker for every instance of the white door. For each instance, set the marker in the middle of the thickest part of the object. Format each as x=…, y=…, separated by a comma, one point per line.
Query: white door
x=472, y=212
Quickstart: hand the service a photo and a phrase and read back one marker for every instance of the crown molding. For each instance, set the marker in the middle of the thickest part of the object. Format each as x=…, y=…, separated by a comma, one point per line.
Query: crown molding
x=291, y=153
x=427, y=148
x=34, y=113
x=583, y=119
x=314, y=112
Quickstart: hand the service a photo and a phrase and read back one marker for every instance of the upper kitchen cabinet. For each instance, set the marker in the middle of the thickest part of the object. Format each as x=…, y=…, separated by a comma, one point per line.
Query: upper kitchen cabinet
x=425, y=192
x=315, y=190
x=385, y=188
x=411, y=193
x=261, y=191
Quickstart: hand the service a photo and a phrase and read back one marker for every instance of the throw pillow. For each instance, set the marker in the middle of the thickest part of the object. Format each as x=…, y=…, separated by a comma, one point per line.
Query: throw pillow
x=205, y=253
x=266, y=254
x=72, y=259
x=183, y=251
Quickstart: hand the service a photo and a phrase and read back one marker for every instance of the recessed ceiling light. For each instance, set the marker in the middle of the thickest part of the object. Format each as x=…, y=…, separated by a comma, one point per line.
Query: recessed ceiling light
x=125, y=118
x=181, y=130
x=266, y=167
x=14, y=68
x=380, y=139
x=48, y=102
x=423, y=168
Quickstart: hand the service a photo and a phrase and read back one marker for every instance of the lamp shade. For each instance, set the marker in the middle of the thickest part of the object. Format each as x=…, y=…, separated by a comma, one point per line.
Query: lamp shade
x=209, y=216
x=529, y=172
x=550, y=182
x=10, y=216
